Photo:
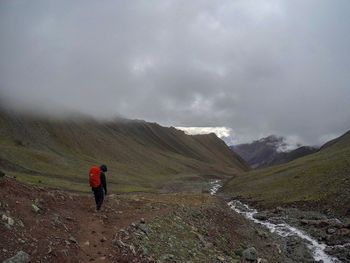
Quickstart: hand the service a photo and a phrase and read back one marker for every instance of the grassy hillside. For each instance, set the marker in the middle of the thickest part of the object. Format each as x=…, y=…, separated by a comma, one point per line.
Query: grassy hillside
x=321, y=179
x=285, y=157
x=140, y=156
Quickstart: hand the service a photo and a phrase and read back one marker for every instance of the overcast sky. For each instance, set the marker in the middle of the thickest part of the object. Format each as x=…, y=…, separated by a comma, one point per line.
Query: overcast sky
x=255, y=67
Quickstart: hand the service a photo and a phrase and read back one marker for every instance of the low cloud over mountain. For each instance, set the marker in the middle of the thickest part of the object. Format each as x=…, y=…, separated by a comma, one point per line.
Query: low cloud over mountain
x=257, y=67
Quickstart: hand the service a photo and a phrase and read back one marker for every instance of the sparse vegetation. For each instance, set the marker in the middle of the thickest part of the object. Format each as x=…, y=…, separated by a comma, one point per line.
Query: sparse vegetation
x=141, y=156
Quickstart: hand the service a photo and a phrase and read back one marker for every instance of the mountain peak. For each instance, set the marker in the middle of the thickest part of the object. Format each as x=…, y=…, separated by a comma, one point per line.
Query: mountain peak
x=270, y=150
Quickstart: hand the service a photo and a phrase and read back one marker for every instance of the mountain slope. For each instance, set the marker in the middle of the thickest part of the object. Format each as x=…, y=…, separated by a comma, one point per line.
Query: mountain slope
x=321, y=179
x=285, y=157
x=269, y=151
x=140, y=156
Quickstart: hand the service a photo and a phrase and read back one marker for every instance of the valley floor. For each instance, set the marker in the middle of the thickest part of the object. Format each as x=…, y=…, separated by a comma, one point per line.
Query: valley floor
x=58, y=226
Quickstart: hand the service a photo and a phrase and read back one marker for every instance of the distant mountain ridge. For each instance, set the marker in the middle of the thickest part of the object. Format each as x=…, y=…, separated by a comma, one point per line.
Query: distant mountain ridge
x=320, y=180
x=269, y=151
x=141, y=156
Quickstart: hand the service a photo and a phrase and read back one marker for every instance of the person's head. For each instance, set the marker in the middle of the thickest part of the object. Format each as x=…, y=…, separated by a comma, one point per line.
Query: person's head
x=103, y=168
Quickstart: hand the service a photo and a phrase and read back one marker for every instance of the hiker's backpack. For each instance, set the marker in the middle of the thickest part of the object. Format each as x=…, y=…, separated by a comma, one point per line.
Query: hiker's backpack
x=94, y=176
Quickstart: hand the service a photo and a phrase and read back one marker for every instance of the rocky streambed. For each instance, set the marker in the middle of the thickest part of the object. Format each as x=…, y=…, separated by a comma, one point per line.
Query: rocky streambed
x=305, y=236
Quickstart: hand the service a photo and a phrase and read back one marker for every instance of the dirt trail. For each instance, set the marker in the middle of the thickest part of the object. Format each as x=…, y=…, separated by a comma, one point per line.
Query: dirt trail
x=57, y=226
x=97, y=229
x=66, y=227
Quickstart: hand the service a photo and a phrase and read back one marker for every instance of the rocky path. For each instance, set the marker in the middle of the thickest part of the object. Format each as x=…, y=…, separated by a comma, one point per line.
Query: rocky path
x=97, y=232
x=57, y=226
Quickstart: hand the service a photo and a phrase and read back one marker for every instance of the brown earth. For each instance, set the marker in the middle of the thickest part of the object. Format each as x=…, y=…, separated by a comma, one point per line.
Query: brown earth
x=50, y=234
x=67, y=228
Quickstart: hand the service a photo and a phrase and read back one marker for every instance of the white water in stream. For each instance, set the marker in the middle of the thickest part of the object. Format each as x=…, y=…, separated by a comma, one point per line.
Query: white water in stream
x=282, y=229
x=215, y=186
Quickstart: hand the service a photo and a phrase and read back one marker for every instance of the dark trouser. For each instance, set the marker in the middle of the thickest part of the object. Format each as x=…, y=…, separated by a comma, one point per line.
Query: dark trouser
x=99, y=195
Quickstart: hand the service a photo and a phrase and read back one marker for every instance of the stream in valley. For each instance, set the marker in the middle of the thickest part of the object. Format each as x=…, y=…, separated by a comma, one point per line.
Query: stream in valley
x=282, y=229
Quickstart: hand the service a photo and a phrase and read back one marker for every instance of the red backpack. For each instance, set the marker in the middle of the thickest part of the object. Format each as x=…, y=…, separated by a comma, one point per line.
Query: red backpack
x=94, y=176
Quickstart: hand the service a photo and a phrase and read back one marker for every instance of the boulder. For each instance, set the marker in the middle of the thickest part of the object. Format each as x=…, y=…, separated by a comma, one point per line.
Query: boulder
x=35, y=208
x=262, y=216
x=250, y=254
x=331, y=231
x=221, y=258
x=8, y=219
x=20, y=257
x=73, y=240
x=143, y=228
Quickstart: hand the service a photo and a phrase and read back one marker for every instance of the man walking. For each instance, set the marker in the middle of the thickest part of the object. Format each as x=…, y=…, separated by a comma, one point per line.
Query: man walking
x=98, y=184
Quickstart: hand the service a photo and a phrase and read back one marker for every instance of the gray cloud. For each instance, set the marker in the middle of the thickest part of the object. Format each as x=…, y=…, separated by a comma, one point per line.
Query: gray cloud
x=258, y=67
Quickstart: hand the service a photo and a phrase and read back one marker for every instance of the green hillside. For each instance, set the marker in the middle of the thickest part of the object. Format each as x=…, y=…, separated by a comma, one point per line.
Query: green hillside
x=320, y=180
x=141, y=156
